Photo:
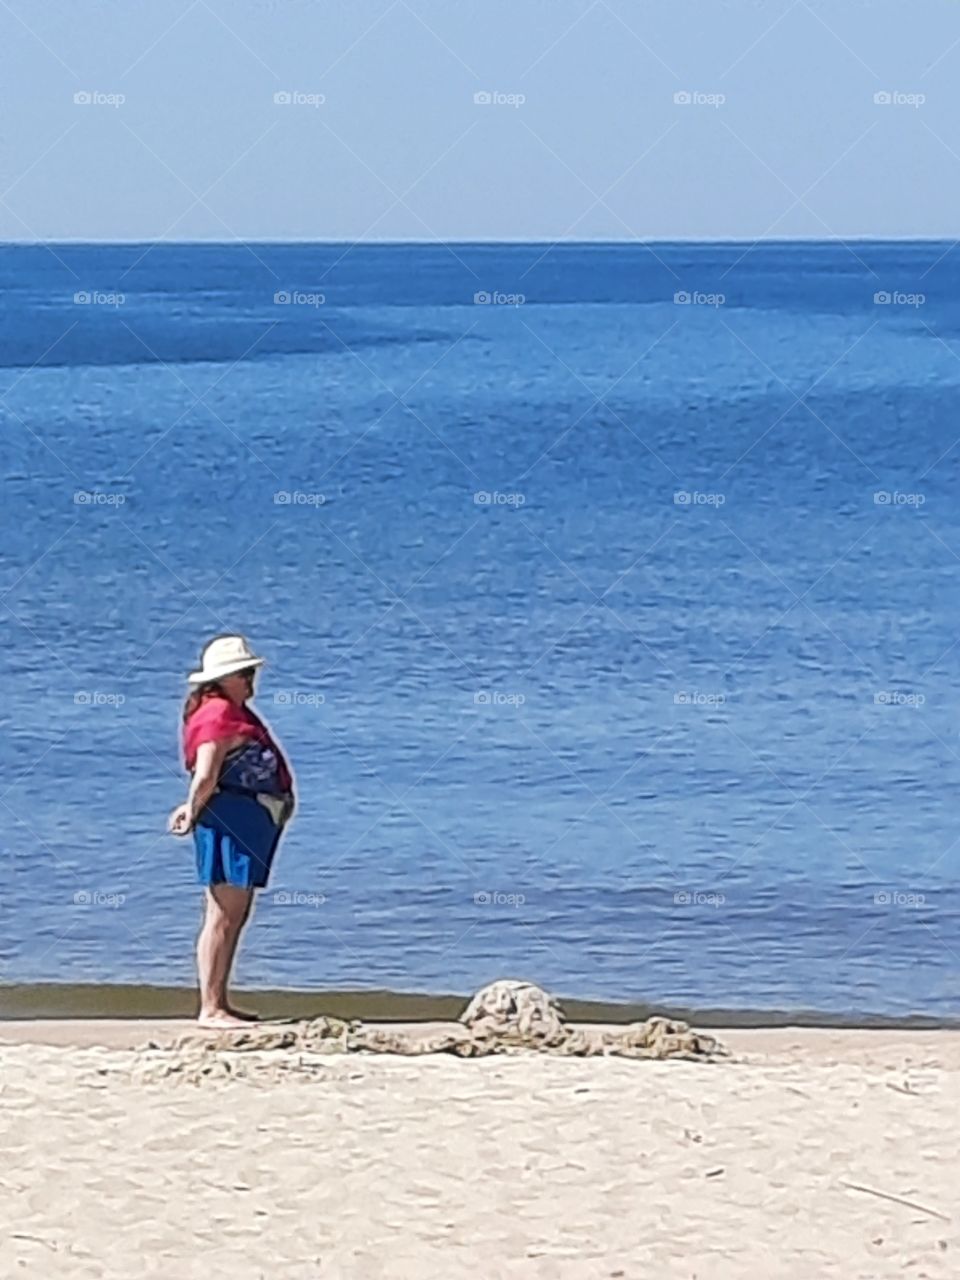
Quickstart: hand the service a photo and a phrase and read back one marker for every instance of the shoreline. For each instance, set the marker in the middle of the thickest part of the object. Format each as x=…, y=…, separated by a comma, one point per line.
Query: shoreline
x=814, y=1046
x=108, y=1002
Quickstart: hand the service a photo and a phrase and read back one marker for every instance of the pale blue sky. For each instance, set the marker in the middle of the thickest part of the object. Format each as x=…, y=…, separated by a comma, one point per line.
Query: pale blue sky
x=599, y=149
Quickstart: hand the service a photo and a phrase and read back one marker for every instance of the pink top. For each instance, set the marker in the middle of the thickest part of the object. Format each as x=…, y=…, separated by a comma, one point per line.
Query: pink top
x=218, y=718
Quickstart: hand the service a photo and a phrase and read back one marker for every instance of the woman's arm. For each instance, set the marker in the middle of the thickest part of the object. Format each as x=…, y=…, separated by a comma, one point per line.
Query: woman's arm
x=206, y=774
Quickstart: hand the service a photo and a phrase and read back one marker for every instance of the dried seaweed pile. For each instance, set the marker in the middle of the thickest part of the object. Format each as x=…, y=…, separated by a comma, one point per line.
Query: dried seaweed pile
x=505, y=1017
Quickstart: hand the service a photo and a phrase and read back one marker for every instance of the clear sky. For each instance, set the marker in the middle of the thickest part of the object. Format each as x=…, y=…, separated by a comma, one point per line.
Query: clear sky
x=583, y=139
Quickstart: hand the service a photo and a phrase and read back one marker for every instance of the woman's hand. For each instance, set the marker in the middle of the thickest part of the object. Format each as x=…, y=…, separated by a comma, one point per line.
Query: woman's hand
x=179, y=823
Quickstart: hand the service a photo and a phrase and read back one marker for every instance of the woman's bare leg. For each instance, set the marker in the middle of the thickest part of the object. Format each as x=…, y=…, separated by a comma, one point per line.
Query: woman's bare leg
x=227, y=910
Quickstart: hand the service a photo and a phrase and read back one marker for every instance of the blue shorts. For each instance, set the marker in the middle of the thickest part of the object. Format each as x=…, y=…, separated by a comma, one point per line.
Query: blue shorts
x=235, y=842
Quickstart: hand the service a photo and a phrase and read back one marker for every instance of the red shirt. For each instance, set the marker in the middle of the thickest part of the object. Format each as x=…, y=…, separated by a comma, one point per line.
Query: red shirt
x=218, y=718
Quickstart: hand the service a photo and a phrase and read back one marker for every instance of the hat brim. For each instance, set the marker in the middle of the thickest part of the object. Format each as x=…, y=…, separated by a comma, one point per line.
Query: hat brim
x=224, y=669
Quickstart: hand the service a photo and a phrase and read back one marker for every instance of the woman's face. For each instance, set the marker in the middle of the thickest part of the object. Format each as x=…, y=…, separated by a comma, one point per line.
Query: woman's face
x=239, y=686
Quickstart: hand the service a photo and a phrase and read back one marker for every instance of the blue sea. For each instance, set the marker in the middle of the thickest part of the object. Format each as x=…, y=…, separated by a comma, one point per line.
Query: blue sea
x=609, y=596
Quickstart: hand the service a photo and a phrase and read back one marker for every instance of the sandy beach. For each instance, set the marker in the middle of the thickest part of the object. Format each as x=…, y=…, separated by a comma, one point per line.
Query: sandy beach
x=773, y=1165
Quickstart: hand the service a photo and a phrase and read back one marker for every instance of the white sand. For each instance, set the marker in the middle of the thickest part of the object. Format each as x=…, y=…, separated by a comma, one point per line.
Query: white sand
x=502, y=1167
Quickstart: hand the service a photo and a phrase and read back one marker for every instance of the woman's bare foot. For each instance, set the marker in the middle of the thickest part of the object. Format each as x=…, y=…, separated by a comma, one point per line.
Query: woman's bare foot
x=221, y=1020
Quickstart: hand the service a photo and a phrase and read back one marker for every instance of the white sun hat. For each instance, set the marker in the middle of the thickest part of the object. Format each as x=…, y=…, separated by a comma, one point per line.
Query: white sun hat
x=223, y=657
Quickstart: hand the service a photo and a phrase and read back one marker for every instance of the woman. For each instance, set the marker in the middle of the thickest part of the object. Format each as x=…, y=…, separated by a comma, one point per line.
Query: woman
x=240, y=799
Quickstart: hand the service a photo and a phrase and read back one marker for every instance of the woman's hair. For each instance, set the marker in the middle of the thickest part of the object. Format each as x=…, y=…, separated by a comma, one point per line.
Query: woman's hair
x=198, y=695
x=210, y=690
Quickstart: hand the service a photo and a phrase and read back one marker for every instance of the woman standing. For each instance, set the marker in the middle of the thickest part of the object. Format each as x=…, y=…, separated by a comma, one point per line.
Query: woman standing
x=240, y=799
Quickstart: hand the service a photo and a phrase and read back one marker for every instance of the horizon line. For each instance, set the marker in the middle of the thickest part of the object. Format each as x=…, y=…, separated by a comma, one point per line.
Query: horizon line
x=553, y=244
